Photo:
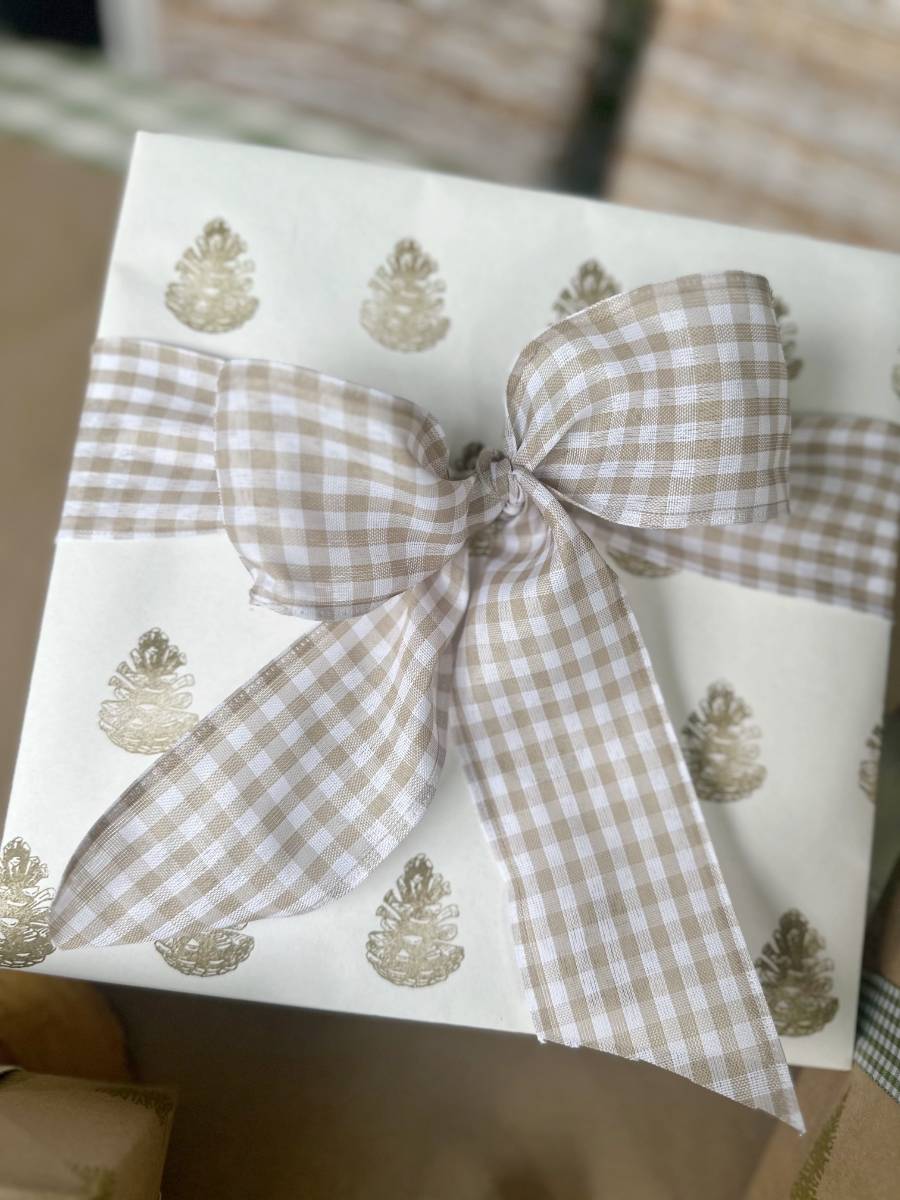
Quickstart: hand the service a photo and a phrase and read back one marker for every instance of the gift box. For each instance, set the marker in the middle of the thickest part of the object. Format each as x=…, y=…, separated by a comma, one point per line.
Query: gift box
x=81, y=1138
x=239, y=274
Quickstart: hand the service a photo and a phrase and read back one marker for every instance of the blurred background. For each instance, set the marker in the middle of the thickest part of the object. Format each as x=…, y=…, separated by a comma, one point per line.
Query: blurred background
x=779, y=113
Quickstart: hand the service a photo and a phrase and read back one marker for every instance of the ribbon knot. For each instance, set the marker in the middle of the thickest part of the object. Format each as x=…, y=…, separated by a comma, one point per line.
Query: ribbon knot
x=661, y=409
x=500, y=478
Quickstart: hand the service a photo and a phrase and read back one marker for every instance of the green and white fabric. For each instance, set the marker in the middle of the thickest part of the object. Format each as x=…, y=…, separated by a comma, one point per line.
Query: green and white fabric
x=878, y=1032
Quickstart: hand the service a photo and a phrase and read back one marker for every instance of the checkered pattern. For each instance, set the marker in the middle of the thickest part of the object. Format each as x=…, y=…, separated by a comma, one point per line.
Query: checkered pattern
x=661, y=407
x=144, y=463
x=365, y=477
x=339, y=501
x=841, y=542
x=878, y=1032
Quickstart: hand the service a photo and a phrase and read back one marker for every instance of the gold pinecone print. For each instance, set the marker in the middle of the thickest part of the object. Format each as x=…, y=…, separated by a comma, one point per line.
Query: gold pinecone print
x=24, y=907
x=589, y=285
x=405, y=311
x=159, y=1103
x=413, y=947
x=806, y=1185
x=636, y=564
x=788, y=331
x=213, y=291
x=97, y=1183
x=148, y=713
x=796, y=977
x=215, y=952
x=868, y=767
x=721, y=746
x=464, y=462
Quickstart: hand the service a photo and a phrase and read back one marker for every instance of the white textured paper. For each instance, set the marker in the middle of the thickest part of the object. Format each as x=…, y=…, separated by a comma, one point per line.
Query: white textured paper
x=317, y=229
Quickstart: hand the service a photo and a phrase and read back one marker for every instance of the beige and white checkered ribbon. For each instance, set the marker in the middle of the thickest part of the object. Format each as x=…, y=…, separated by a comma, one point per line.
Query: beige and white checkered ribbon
x=660, y=409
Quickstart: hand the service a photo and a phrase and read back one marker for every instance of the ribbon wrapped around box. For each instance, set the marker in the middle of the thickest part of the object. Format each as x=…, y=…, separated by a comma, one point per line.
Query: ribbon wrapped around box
x=475, y=590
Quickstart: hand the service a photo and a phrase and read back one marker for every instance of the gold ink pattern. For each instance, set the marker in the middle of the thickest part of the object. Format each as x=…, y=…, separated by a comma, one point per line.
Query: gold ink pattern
x=24, y=907
x=721, y=746
x=788, y=331
x=405, y=310
x=159, y=1103
x=635, y=564
x=868, y=767
x=797, y=978
x=414, y=947
x=806, y=1185
x=589, y=285
x=213, y=290
x=149, y=711
x=215, y=952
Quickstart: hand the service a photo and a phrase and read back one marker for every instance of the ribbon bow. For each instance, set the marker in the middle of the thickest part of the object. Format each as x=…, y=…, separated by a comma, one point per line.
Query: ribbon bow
x=663, y=408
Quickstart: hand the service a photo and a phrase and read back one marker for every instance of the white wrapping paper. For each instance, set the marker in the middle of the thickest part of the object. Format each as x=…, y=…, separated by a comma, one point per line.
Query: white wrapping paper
x=316, y=230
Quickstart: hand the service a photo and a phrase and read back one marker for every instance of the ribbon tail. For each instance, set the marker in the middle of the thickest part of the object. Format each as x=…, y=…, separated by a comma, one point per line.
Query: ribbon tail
x=626, y=937
x=287, y=794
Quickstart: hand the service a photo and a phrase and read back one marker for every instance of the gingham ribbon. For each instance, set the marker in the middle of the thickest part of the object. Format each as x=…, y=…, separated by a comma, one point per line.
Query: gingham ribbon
x=838, y=546
x=878, y=1032
x=662, y=408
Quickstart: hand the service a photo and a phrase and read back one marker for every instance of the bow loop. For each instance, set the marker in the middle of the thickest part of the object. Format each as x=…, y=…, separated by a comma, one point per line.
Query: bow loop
x=337, y=497
x=663, y=407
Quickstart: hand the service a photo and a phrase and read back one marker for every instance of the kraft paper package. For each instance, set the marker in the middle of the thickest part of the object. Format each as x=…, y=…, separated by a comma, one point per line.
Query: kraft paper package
x=74, y=1138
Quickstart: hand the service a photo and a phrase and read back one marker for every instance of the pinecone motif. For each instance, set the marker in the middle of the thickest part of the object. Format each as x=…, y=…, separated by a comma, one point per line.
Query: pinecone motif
x=721, y=746
x=216, y=952
x=464, y=462
x=589, y=285
x=24, y=907
x=868, y=767
x=159, y=1103
x=213, y=290
x=413, y=947
x=149, y=711
x=806, y=1185
x=788, y=331
x=797, y=978
x=405, y=310
x=635, y=564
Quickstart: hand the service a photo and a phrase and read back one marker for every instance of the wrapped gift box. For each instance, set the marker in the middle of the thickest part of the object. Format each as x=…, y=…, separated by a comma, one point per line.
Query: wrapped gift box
x=237, y=251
